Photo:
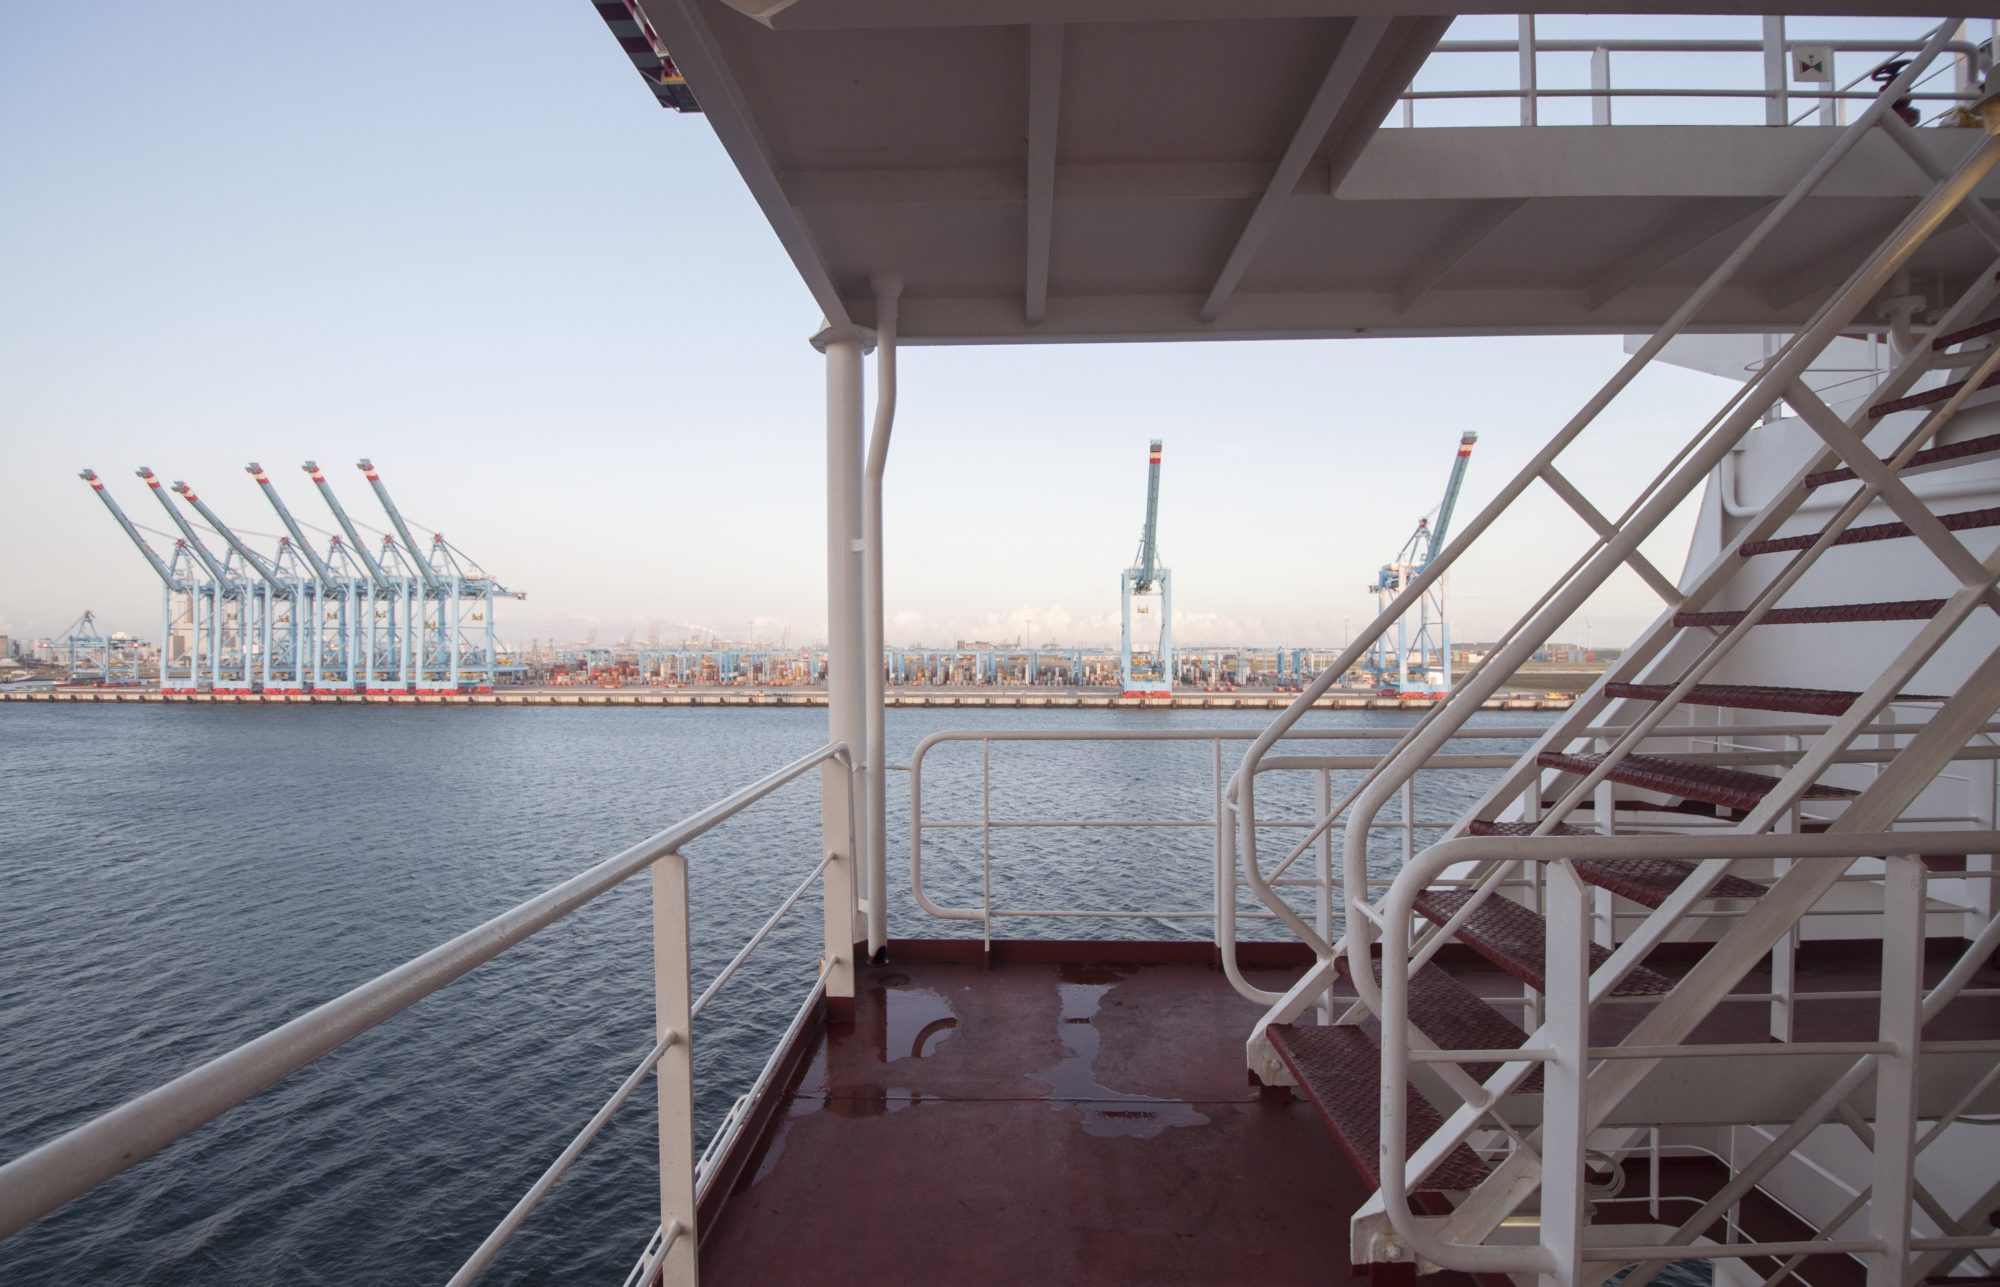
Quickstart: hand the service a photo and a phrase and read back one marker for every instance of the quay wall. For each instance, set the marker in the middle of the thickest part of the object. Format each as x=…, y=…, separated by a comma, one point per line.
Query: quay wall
x=763, y=697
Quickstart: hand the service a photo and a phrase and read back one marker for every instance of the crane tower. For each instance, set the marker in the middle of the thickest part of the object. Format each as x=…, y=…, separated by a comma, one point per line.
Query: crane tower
x=1416, y=666
x=1146, y=592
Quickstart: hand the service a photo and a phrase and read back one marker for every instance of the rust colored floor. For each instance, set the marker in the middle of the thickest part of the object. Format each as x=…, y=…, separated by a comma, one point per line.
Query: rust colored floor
x=1050, y=1123
x=1040, y=1123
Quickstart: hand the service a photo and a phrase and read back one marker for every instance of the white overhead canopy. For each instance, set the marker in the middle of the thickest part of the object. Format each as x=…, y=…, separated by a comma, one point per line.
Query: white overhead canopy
x=1117, y=169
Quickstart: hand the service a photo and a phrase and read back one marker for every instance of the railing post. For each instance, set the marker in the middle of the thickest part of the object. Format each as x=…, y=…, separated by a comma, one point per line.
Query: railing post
x=1901, y=1029
x=1323, y=889
x=1777, y=73
x=1565, y=1122
x=676, y=1070
x=1600, y=79
x=1528, y=72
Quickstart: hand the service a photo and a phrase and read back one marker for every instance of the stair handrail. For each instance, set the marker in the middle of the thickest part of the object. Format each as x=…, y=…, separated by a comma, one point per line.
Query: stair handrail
x=1480, y=852
x=1614, y=547
x=1242, y=788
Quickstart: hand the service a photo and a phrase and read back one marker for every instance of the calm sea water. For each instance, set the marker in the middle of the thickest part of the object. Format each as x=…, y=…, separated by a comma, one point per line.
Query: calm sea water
x=175, y=881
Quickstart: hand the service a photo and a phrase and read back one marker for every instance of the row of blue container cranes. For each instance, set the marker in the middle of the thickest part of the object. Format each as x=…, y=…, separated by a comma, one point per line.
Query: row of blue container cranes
x=401, y=617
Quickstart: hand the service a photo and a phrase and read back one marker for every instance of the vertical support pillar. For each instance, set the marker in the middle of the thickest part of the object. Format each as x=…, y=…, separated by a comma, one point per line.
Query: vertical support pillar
x=1901, y=1029
x=1565, y=1119
x=1777, y=73
x=675, y=1069
x=842, y=828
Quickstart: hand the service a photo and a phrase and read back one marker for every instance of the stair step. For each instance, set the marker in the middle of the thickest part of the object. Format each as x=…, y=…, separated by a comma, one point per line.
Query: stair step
x=1339, y=1070
x=1511, y=936
x=1970, y=449
x=1963, y=521
x=1943, y=342
x=1755, y=697
x=1713, y=783
x=1928, y=397
x=1455, y=1017
x=1648, y=881
x=1822, y=614
x=1480, y=827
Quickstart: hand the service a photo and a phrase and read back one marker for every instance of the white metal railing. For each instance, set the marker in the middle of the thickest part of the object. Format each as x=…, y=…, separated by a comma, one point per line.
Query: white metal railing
x=1222, y=911
x=1769, y=81
x=53, y=1174
x=1573, y=1067
x=1319, y=839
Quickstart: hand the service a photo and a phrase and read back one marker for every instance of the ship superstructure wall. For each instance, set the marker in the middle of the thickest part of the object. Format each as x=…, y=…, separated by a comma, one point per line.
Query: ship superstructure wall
x=337, y=617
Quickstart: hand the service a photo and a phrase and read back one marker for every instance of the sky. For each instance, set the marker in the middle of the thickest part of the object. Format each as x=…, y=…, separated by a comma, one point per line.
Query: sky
x=550, y=312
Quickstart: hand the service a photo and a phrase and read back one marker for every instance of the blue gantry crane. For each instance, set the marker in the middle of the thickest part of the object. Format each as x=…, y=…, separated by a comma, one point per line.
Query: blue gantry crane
x=1146, y=592
x=1416, y=665
x=305, y=620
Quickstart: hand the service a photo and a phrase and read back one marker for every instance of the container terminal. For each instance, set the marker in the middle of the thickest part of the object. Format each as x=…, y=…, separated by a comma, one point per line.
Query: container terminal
x=414, y=621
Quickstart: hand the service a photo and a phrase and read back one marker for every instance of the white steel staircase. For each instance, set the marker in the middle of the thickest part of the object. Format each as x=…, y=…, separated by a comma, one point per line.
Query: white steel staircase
x=1695, y=797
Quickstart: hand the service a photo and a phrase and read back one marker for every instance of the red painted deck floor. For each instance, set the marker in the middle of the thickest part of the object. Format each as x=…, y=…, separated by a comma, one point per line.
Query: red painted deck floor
x=1060, y=1123
x=1040, y=1123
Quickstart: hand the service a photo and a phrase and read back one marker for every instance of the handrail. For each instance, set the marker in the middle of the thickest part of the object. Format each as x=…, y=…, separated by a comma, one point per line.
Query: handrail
x=57, y=1172
x=1776, y=88
x=1243, y=784
x=1620, y=540
x=1398, y=910
x=1223, y=912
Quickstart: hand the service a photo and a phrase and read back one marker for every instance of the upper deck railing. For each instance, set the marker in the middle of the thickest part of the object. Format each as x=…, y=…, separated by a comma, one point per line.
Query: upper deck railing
x=1712, y=79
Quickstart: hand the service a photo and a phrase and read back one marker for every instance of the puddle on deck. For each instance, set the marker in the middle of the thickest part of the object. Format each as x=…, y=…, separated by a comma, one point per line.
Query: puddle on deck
x=1073, y=1079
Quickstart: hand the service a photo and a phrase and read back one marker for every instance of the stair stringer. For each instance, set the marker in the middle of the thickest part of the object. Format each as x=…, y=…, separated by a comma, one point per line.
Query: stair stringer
x=1711, y=978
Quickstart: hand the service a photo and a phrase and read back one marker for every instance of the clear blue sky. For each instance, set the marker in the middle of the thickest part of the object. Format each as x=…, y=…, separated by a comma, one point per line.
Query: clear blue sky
x=464, y=241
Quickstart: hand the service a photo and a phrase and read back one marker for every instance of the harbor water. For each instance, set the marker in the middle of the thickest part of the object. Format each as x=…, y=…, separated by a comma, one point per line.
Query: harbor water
x=179, y=879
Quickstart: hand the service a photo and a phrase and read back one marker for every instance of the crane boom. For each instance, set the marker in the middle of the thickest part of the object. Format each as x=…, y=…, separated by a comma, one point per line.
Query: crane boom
x=354, y=540
x=1450, y=502
x=402, y=529
x=209, y=561
x=1147, y=565
x=257, y=561
x=319, y=566
x=117, y=512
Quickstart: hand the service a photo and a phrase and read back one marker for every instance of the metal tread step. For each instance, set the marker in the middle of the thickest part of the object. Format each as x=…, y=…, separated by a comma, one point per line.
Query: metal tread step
x=1963, y=521
x=1970, y=449
x=1454, y=1017
x=1649, y=881
x=1339, y=1070
x=1821, y=614
x=1943, y=342
x=1511, y=936
x=1928, y=397
x=1756, y=697
x=1646, y=881
x=1712, y=783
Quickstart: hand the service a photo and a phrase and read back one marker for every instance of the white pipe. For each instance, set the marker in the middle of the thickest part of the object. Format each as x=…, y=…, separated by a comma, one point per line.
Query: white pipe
x=888, y=290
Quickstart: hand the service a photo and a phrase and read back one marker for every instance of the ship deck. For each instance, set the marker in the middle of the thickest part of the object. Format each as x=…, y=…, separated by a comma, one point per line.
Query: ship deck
x=1080, y=1113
